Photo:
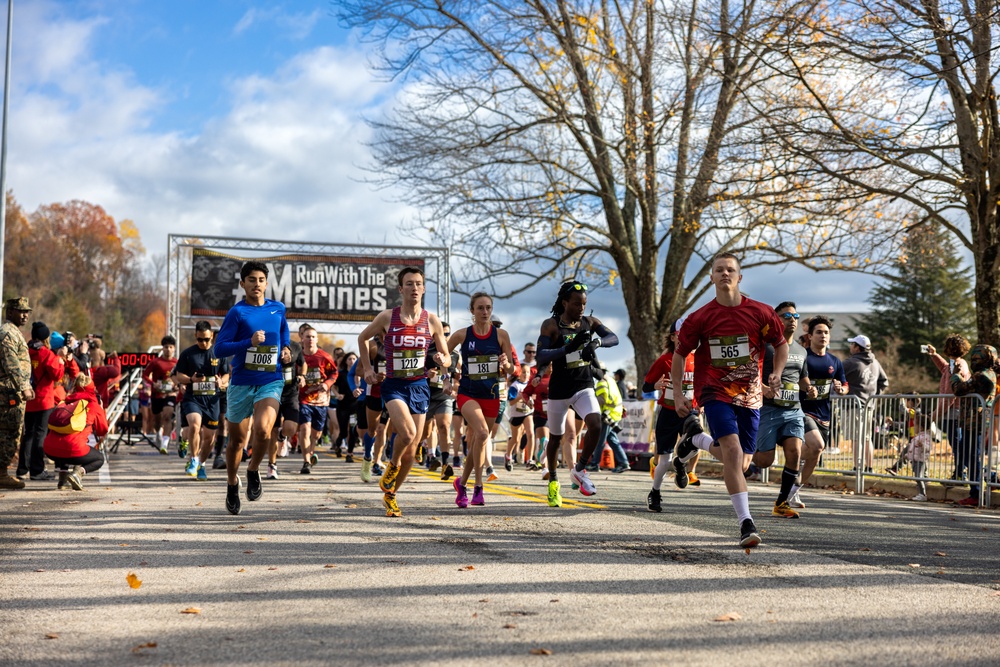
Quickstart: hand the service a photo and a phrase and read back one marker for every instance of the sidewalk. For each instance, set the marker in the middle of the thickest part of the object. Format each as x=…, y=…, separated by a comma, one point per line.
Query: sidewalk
x=314, y=574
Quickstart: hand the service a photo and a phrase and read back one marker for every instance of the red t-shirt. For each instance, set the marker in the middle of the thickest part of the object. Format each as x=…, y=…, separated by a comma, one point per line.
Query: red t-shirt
x=729, y=344
x=321, y=372
x=661, y=368
x=159, y=369
x=541, y=395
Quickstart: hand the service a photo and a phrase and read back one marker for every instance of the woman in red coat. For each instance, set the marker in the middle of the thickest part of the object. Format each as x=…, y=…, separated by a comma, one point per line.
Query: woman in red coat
x=73, y=449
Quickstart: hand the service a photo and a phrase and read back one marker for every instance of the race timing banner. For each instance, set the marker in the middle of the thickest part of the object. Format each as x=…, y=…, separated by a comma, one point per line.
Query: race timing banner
x=312, y=287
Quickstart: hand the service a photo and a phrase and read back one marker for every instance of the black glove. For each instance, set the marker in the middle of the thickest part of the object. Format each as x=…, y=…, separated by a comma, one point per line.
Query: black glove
x=589, y=353
x=579, y=340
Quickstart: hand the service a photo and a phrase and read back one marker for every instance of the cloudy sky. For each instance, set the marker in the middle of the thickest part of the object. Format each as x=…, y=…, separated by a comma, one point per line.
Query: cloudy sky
x=242, y=118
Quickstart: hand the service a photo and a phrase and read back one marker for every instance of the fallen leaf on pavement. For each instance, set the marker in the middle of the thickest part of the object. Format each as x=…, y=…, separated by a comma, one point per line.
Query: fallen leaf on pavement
x=262, y=539
x=509, y=626
x=467, y=567
x=329, y=565
x=138, y=649
x=475, y=615
x=242, y=569
x=540, y=651
x=143, y=563
x=133, y=581
x=52, y=635
x=485, y=600
x=249, y=551
x=747, y=550
x=914, y=564
x=940, y=553
x=272, y=568
x=352, y=506
x=556, y=600
x=191, y=610
x=864, y=549
x=435, y=518
x=303, y=521
x=39, y=570
x=731, y=616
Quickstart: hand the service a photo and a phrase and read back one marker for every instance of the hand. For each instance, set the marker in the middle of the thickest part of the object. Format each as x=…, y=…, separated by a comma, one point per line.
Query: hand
x=301, y=380
x=286, y=355
x=811, y=392
x=258, y=337
x=502, y=362
x=682, y=404
x=438, y=358
x=357, y=392
x=662, y=383
x=931, y=349
x=535, y=381
x=579, y=340
x=589, y=353
x=774, y=382
x=29, y=394
x=223, y=384
x=432, y=374
x=371, y=377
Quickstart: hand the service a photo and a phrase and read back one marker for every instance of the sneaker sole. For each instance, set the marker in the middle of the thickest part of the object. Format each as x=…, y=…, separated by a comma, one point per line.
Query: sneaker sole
x=75, y=483
x=784, y=515
x=750, y=541
x=680, y=473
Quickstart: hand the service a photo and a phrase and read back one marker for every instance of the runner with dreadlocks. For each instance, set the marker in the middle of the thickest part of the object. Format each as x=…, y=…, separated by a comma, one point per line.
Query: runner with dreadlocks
x=567, y=341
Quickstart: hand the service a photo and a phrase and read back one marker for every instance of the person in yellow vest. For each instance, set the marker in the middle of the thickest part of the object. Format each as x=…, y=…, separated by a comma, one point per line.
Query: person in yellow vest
x=612, y=411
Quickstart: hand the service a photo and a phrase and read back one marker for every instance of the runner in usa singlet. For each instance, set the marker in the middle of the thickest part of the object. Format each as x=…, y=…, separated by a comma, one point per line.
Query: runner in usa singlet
x=406, y=348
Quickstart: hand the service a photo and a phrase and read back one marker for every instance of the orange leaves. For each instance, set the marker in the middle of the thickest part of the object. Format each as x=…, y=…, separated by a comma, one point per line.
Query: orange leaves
x=133, y=581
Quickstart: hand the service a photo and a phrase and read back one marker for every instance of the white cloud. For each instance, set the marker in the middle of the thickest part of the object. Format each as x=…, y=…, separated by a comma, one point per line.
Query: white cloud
x=292, y=25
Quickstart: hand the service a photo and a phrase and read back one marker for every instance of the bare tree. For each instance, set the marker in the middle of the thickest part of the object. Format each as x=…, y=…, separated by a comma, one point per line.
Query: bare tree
x=901, y=108
x=603, y=140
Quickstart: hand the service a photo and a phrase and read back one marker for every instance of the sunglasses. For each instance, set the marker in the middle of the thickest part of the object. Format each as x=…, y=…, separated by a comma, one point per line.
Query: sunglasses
x=204, y=340
x=527, y=352
x=790, y=316
x=579, y=287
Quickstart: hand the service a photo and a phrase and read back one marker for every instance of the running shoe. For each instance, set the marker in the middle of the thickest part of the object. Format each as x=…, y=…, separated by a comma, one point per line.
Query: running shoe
x=692, y=427
x=680, y=473
x=545, y=475
x=272, y=471
x=202, y=473
x=592, y=468
x=391, y=508
x=581, y=477
x=434, y=465
x=447, y=473
x=219, y=463
x=366, y=470
x=892, y=470
x=461, y=494
x=478, y=498
x=784, y=510
x=795, y=501
x=43, y=476
x=349, y=458
x=63, y=480
x=283, y=452
x=620, y=469
x=419, y=458
x=748, y=534
x=313, y=459
x=305, y=469
x=182, y=448
x=75, y=479
x=693, y=479
x=376, y=469
x=968, y=502
x=164, y=441
x=253, y=485
x=490, y=475
x=233, y=497
x=508, y=465
x=192, y=468
x=387, y=482
x=920, y=498
x=653, y=501
x=555, y=498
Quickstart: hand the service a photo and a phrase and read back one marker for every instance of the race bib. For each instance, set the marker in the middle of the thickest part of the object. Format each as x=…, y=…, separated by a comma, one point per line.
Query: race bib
x=287, y=373
x=502, y=387
x=408, y=363
x=483, y=367
x=262, y=358
x=313, y=376
x=352, y=420
x=437, y=382
x=166, y=386
x=788, y=395
x=523, y=408
x=729, y=351
x=822, y=388
x=206, y=387
x=545, y=406
x=575, y=360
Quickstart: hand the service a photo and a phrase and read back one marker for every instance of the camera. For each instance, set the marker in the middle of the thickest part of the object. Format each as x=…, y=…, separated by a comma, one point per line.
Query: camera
x=923, y=349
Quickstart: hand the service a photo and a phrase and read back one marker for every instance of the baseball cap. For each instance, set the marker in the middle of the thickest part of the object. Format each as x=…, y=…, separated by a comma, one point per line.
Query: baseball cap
x=860, y=341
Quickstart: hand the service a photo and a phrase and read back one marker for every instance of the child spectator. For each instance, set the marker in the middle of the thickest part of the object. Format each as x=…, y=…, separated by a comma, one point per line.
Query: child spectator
x=918, y=452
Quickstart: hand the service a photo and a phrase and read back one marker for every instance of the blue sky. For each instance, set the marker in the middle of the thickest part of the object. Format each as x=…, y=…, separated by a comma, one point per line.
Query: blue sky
x=241, y=118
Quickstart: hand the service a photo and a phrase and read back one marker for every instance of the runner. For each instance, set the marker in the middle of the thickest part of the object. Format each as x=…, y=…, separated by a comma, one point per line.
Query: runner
x=346, y=406
x=408, y=331
x=781, y=415
x=668, y=424
x=207, y=375
x=537, y=392
x=314, y=396
x=286, y=424
x=565, y=341
x=255, y=335
x=486, y=358
x=728, y=336
x=164, y=394
x=521, y=425
x=826, y=376
x=439, y=408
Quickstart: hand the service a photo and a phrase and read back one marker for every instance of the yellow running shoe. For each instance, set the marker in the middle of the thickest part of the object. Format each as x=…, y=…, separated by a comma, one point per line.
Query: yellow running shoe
x=388, y=480
x=693, y=479
x=555, y=498
x=391, y=508
x=784, y=510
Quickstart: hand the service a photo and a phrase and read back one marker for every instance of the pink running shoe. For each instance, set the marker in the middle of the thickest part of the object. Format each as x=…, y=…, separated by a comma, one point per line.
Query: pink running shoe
x=477, y=496
x=462, y=497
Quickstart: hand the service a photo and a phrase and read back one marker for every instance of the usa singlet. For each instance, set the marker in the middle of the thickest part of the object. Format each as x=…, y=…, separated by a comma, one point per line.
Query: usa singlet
x=406, y=347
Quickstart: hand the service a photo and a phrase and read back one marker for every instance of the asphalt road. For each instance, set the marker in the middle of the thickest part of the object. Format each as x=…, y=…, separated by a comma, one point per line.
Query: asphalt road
x=314, y=574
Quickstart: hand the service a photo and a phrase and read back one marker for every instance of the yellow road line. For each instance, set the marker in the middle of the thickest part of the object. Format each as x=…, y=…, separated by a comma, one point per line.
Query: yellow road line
x=504, y=490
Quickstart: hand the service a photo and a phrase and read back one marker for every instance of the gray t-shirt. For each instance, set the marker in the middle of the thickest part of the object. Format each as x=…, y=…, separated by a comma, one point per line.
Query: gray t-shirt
x=795, y=370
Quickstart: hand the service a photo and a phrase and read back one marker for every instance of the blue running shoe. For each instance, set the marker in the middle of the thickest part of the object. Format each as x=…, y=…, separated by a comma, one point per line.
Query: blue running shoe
x=192, y=468
x=202, y=475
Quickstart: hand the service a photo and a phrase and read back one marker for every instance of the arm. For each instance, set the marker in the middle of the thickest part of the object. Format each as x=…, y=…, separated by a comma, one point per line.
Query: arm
x=226, y=344
x=681, y=404
x=378, y=326
x=780, y=358
x=351, y=374
x=100, y=423
x=507, y=355
x=441, y=357
x=607, y=337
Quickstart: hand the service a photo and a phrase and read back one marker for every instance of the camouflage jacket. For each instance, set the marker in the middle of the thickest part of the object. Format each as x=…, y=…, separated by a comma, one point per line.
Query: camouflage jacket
x=15, y=365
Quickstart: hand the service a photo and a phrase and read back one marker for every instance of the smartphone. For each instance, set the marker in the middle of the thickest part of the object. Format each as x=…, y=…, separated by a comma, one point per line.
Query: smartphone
x=923, y=349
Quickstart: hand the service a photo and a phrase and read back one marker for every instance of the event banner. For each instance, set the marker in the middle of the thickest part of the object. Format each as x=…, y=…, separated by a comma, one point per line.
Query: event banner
x=312, y=287
x=637, y=427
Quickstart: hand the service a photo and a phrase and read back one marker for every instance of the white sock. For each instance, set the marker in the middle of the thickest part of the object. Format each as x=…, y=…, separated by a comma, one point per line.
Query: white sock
x=662, y=468
x=196, y=461
x=795, y=489
x=702, y=441
x=741, y=503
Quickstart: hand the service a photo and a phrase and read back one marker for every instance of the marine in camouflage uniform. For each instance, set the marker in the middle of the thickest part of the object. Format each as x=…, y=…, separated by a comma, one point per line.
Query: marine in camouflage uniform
x=15, y=385
x=983, y=382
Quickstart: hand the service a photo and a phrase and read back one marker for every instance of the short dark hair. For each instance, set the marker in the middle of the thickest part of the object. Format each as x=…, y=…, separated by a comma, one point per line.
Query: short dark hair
x=407, y=271
x=445, y=325
x=956, y=346
x=785, y=304
x=250, y=266
x=819, y=319
x=203, y=325
x=168, y=340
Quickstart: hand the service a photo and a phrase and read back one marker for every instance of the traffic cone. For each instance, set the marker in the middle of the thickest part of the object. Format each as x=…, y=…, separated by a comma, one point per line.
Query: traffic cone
x=607, y=458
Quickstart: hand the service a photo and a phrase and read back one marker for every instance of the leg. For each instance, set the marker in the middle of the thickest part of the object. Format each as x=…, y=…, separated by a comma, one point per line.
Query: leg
x=811, y=449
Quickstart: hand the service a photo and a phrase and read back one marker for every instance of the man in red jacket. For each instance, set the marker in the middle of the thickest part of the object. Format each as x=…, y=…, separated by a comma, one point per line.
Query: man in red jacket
x=73, y=449
x=46, y=371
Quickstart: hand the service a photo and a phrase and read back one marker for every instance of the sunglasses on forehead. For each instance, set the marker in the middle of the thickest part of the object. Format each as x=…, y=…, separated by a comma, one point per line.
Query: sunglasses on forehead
x=579, y=287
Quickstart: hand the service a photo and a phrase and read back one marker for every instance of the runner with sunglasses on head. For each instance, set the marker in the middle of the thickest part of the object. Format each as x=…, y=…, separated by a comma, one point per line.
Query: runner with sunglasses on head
x=569, y=341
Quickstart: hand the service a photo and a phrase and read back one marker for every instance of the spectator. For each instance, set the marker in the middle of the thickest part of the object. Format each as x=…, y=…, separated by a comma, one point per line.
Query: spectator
x=918, y=452
x=620, y=379
x=106, y=376
x=73, y=449
x=612, y=411
x=955, y=347
x=982, y=382
x=15, y=386
x=47, y=371
x=865, y=378
x=80, y=350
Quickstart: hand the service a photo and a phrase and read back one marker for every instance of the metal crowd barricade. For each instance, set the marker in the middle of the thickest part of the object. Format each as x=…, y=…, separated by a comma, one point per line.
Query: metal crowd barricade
x=879, y=440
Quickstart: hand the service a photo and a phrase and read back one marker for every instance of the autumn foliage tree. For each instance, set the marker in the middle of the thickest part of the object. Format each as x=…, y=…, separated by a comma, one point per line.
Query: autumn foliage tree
x=82, y=271
x=607, y=141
